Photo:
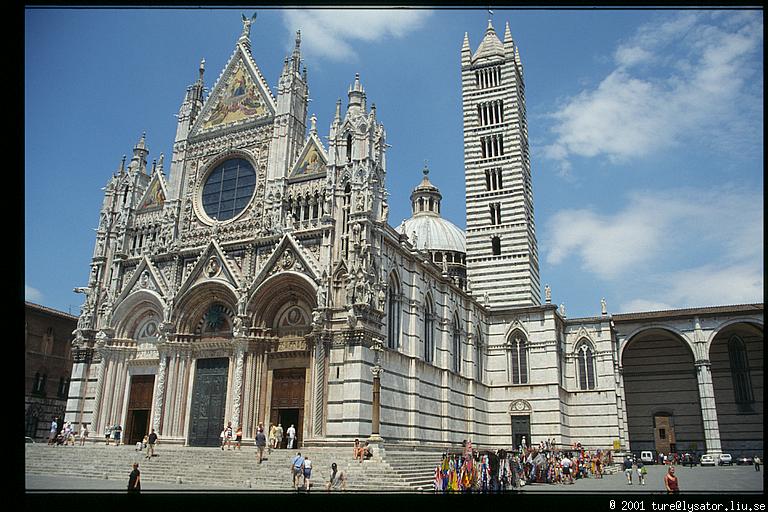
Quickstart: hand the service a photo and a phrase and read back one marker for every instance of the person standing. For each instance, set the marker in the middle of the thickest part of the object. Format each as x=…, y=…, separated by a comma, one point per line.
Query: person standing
x=297, y=463
x=279, y=436
x=261, y=442
x=134, y=480
x=227, y=435
x=52, y=434
x=151, y=441
x=117, y=433
x=756, y=461
x=670, y=481
x=628, y=469
x=337, y=481
x=291, y=436
x=108, y=433
x=307, y=469
x=566, y=464
x=83, y=433
x=239, y=436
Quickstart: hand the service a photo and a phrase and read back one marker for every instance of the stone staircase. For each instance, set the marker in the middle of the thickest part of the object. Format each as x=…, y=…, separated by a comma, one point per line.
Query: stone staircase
x=213, y=468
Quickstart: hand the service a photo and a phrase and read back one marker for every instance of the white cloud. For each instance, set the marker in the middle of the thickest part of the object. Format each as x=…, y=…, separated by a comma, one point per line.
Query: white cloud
x=32, y=294
x=681, y=78
x=333, y=33
x=660, y=228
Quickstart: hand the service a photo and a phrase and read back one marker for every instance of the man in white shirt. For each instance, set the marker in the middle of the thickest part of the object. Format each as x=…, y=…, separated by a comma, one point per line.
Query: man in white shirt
x=291, y=436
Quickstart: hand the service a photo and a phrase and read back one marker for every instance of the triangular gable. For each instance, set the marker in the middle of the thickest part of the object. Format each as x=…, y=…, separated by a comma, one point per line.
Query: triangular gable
x=288, y=255
x=241, y=96
x=312, y=159
x=145, y=277
x=212, y=265
x=155, y=194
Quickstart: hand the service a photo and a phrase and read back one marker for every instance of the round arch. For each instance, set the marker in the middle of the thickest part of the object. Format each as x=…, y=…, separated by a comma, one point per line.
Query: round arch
x=751, y=322
x=641, y=331
x=135, y=309
x=269, y=299
x=194, y=303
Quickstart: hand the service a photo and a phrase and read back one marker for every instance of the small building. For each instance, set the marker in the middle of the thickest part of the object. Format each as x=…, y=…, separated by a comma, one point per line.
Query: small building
x=47, y=366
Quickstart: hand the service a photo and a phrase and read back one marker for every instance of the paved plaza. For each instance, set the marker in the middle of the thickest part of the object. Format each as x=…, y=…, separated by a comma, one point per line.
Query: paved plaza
x=697, y=479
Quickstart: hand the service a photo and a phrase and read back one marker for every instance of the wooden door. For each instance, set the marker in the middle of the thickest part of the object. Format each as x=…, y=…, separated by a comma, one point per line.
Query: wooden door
x=288, y=400
x=139, y=405
x=521, y=427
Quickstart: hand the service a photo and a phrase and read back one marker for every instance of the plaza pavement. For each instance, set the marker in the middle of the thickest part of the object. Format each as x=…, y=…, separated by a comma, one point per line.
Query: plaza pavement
x=712, y=480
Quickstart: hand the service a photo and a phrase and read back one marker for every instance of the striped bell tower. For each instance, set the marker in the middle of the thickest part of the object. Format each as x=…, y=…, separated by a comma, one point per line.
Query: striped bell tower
x=502, y=254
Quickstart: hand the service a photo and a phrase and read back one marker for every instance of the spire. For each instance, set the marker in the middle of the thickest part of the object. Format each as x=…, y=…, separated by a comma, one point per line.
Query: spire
x=313, y=125
x=425, y=198
x=356, y=94
x=296, y=56
x=201, y=70
x=337, y=117
x=465, y=46
x=122, y=165
x=509, y=44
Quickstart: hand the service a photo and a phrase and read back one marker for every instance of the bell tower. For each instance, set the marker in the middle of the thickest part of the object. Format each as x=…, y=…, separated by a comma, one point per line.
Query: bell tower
x=502, y=254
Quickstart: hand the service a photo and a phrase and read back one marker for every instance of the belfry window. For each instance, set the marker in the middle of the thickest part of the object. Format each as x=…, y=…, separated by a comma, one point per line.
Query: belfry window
x=496, y=246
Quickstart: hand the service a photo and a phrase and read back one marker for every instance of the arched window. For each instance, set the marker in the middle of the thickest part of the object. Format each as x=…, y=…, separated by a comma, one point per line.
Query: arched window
x=345, y=210
x=456, y=345
x=518, y=364
x=349, y=147
x=479, y=355
x=585, y=360
x=742, y=381
x=393, y=313
x=429, y=331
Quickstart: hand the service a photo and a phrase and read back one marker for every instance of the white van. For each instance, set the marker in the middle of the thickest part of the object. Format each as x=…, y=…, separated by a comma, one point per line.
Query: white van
x=647, y=457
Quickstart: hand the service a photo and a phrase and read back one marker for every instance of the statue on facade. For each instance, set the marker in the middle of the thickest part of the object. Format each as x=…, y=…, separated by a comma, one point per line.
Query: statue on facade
x=351, y=318
x=247, y=25
x=238, y=327
x=547, y=293
x=382, y=297
x=562, y=310
x=603, y=306
x=321, y=296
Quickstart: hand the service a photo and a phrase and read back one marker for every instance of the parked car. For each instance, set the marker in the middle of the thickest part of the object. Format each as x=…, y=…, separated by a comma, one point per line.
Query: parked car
x=744, y=460
x=28, y=439
x=725, y=459
x=707, y=460
x=647, y=457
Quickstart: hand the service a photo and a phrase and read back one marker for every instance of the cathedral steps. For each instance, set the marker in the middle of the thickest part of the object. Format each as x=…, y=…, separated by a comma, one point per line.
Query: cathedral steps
x=213, y=468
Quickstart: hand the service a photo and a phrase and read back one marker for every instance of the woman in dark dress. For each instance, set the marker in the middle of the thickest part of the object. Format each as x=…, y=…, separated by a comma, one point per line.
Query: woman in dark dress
x=134, y=481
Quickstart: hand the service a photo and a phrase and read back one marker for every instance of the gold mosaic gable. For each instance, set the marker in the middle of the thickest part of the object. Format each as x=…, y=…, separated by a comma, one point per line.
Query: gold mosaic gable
x=236, y=100
x=155, y=196
x=312, y=161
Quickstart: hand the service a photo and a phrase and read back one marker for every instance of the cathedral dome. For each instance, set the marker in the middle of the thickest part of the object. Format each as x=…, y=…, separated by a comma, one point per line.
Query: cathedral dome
x=433, y=233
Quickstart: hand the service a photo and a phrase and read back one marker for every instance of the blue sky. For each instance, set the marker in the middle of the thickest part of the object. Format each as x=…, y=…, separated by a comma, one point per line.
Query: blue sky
x=645, y=127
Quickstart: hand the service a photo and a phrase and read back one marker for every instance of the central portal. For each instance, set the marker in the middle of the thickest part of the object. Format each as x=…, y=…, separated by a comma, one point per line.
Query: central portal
x=208, y=401
x=287, y=406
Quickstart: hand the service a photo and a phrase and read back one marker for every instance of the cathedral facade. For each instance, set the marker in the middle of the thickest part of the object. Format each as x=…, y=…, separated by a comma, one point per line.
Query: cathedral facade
x=260, y=282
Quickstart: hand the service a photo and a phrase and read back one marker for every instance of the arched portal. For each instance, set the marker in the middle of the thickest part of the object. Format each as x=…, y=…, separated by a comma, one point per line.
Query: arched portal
x=662, y=394
x=282, y=307
x=736, y=357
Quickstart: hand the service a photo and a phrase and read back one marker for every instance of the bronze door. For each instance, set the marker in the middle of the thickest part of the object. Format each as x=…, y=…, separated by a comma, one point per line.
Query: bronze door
x=209, y=394
x=288, y=401
x=139, y=407
x=521, y=427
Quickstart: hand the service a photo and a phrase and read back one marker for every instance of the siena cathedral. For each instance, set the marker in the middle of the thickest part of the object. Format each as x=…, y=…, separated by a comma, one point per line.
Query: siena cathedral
x=260, y=281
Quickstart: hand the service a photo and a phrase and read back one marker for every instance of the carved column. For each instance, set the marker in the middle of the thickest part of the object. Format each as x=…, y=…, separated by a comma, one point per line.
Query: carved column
x=170, y=377
x=237, y=387
x=708, y=407
x=95, y=415
x=376, y=370
x=157, y=406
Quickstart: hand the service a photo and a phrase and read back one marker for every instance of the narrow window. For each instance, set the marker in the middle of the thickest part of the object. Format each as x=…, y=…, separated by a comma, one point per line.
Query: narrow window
x=456, y=345
x=740, y=374
x=496, y=246
x=349, y=147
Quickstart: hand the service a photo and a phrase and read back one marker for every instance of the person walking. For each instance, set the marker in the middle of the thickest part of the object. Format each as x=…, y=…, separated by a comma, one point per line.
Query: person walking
x=261, y=442
x=291, y=436
x=670, y=481
x=279, y=436
x=108, y=433
x=307, y=469
x=272, y=438
x=297, y=463
x=227, y=436
x=338, y=480
x=641, y=471
x=134, y=480
x=83, y=433
x=628, y=470
x=756, y=461
x=151, y=441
